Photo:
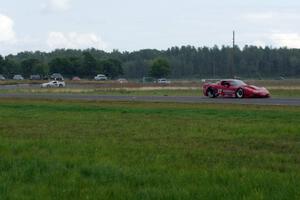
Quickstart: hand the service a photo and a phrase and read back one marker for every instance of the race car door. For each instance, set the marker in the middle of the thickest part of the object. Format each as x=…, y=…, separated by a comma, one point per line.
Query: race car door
x=227, y=89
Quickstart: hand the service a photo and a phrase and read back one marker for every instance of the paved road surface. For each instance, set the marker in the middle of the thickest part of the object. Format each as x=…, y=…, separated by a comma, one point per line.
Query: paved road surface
x=179, y=99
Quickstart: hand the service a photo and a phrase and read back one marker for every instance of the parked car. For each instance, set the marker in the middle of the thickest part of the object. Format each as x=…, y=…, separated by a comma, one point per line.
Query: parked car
x=18, y=77
x=163, y=81
x=233, y=88
x=53, y=84
x=57, y=77
x=76, y=78
x=122, y=80
x=46, y=77
x=148, y=80
x=100, y=77
x=35, y=77
x=2, y=78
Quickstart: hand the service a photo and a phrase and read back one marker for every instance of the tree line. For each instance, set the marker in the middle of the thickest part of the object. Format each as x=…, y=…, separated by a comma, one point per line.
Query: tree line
x=84, y=65
x=175, y=62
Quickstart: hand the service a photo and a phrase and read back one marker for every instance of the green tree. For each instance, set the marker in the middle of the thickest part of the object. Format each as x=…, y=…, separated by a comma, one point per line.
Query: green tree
x=11, y=67
x=160, y=68
x=112, y=68
x=89, y=64
x=32, y=66
x=1, y=64
x=75, y=67
x=40, y=68
x=61, y=65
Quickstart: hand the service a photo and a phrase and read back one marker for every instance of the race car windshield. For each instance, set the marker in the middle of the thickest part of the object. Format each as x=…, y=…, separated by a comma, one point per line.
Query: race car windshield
x=237, y=83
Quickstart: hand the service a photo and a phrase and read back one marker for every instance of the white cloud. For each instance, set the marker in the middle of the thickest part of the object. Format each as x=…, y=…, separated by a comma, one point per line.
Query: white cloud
x=290, y=40
x=260, y=16
x=74, y=40
x=259, y=43
x=56, y=5
x=272, y=16
x=7, y=33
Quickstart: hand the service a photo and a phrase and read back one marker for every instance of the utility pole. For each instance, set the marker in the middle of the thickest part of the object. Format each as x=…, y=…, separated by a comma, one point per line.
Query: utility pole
x=233, y=56
x=233, y=39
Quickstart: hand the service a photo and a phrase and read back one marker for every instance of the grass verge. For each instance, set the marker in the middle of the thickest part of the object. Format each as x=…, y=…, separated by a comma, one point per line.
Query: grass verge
x=275, y=92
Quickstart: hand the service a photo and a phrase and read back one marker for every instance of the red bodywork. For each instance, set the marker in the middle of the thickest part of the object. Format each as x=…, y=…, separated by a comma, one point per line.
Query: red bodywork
x=234, y=88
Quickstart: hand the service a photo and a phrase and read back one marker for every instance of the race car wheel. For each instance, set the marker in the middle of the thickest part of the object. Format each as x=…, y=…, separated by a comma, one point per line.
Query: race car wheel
x=60, y=85
x=239, y=93
x=211, y=93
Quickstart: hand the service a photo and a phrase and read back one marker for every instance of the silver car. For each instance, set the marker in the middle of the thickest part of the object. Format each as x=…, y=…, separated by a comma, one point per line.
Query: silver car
x=100, y=77
x=18, y=77
x=54, y=84
x=163, y=81
x=2, y=78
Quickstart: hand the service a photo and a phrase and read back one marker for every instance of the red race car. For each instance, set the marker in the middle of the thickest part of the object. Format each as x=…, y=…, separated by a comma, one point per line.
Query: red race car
x=234, y=88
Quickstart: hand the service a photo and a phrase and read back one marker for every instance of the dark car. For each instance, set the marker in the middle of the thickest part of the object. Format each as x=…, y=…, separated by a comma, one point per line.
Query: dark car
x=148, y=80
x=35, y=77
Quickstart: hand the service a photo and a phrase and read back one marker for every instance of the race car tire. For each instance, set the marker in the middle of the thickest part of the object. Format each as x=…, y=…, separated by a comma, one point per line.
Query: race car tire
x=239, y=93
x=211, y=93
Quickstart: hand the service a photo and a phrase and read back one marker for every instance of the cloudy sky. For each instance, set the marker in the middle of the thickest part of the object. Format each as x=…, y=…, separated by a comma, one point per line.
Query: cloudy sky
x=137, y=24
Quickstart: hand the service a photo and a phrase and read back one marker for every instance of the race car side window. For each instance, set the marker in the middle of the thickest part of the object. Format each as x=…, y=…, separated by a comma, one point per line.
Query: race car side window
x=225, y=83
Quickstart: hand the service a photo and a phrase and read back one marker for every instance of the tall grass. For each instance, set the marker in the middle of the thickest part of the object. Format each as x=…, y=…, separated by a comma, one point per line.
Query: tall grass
x=102, y=150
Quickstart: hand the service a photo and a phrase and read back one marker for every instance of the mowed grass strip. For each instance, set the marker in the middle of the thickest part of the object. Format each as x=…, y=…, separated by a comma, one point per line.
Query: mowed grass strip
x=275, y=92
x=120, y=150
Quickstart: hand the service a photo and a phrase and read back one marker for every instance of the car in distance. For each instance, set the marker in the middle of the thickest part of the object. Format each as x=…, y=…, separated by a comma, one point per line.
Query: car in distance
x=35, y=77
x=234, y=88
x=18, y=77
x=122, y=80
x=76, y=78
x=163, y=81
x=54, y=84
x=2, y=78
x=100, y=77
x=148, y=80
x=57, y=77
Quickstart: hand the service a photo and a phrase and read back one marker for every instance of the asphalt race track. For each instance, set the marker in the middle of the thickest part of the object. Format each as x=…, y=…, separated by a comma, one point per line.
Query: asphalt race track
x=177, y=99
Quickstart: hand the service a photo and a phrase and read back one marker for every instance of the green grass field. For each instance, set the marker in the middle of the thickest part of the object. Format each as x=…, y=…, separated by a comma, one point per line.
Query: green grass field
x=104, y=150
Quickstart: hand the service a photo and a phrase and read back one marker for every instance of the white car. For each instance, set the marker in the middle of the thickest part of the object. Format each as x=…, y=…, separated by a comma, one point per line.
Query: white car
x=163, y=81
x=18, y=77
x=100, y=77
x=53, y=84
